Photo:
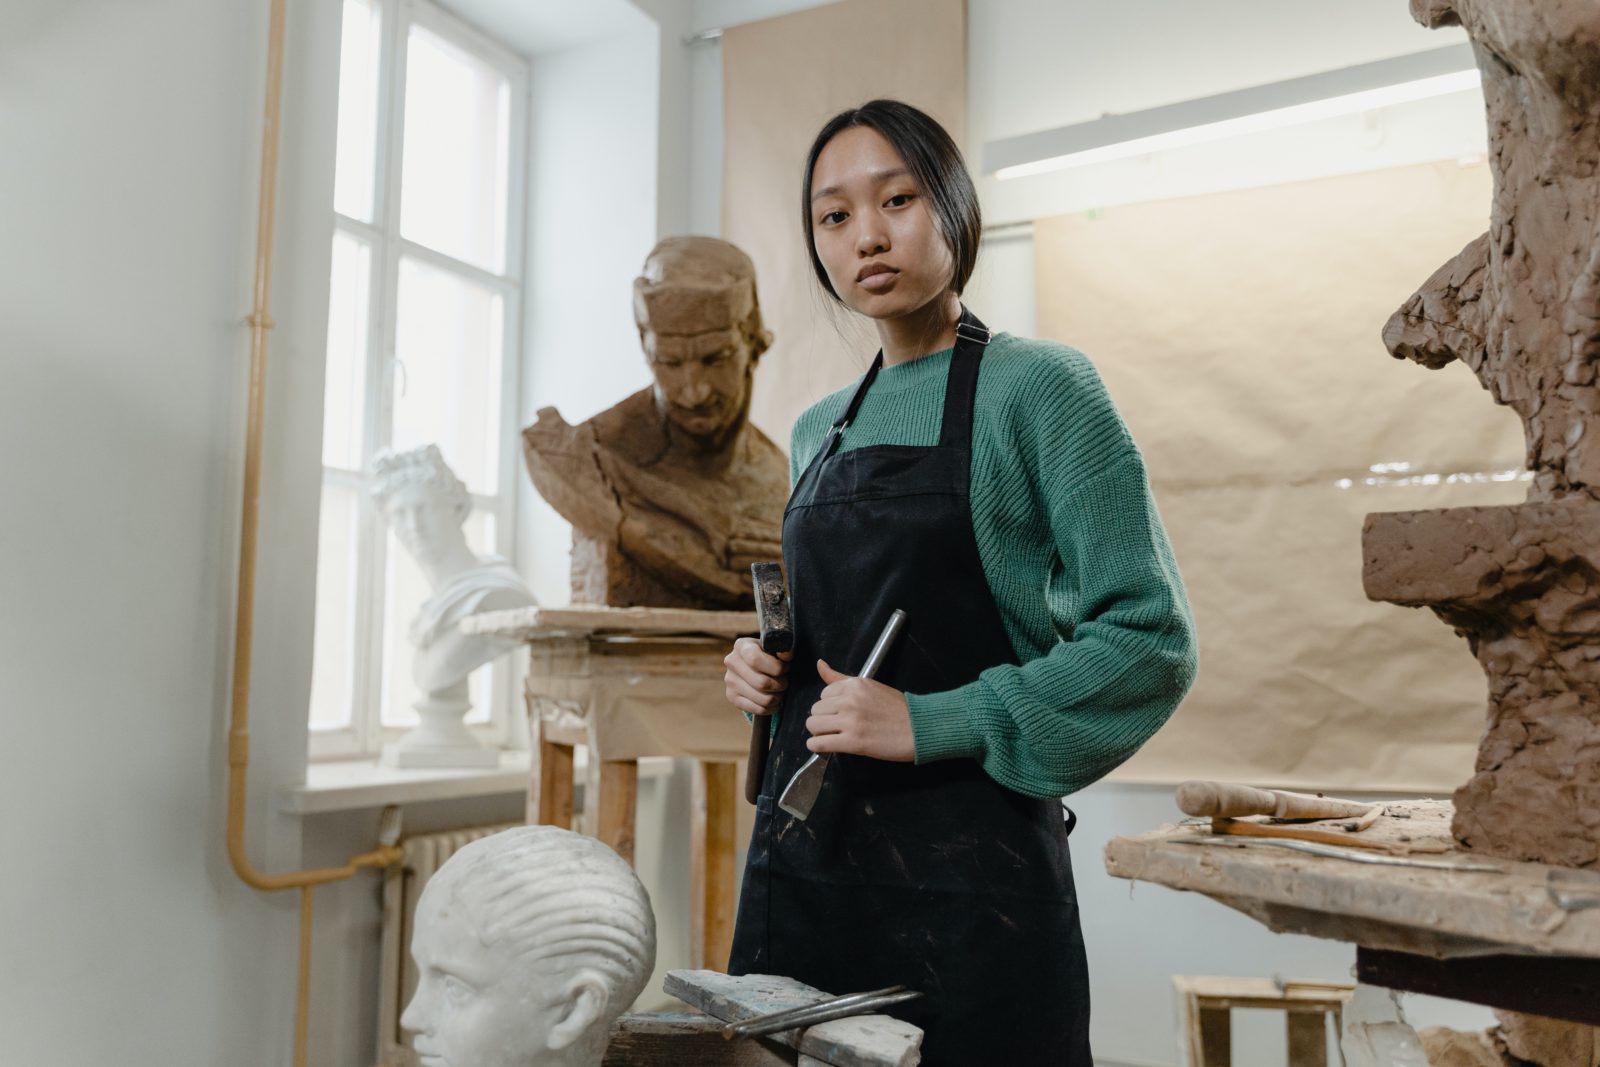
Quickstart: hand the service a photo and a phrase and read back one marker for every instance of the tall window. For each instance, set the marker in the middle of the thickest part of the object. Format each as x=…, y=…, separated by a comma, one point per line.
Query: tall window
x=422, y=327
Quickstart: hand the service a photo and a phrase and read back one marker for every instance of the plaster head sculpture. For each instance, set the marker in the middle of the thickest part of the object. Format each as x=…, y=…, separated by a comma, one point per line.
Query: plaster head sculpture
x=528, y=946
x=426, y=504
x=672, y=494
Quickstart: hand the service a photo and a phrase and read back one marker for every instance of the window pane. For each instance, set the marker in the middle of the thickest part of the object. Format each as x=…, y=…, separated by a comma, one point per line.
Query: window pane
x=333, y=655
x=358, y=109
x=344, y=395
x=448, y=341
x=457, y=146
x=405, y=591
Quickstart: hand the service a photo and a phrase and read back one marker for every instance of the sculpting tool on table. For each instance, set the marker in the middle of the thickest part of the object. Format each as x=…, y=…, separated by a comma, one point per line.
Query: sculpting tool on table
x=777, y=635
x=1224, y=800
x=1234, y=809
x=821, y=1012
x=800, y=795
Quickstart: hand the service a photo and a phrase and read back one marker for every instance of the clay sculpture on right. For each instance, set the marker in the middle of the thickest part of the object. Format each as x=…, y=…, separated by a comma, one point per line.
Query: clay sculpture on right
x=1520, y=306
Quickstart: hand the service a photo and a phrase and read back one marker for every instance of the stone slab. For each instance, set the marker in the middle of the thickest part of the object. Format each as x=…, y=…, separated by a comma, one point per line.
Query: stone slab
x=859, y=1041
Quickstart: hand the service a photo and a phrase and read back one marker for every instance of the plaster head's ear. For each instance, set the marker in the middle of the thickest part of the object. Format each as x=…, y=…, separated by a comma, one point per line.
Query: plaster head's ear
x=586, y=997
x=1435, y=13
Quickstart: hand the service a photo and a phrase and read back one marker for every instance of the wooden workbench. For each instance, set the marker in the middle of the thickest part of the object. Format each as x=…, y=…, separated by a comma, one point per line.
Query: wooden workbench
x=1525, y=936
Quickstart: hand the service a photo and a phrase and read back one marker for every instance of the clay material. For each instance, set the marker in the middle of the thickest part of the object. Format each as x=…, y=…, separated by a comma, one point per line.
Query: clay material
x=672, y=494
x=1520, y=306
x=1519, y=1041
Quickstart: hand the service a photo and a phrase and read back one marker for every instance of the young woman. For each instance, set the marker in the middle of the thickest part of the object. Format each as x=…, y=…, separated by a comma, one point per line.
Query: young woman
x=987, y=487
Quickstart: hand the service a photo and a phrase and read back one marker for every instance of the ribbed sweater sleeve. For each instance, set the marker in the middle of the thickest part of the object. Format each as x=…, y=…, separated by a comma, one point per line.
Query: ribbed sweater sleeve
x=1121, y=651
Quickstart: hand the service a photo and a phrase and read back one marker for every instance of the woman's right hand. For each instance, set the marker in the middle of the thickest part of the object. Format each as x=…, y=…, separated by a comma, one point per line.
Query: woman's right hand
x=755, y=679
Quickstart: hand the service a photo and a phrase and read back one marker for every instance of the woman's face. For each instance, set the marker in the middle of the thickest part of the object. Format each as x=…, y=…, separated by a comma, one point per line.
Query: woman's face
x=874, y=229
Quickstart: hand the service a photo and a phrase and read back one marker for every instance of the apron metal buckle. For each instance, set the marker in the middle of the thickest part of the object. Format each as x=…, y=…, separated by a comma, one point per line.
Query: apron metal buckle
x=982, y=335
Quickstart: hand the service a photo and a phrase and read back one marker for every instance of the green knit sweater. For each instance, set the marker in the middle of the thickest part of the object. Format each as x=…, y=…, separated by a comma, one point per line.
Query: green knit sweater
x=1074, y=553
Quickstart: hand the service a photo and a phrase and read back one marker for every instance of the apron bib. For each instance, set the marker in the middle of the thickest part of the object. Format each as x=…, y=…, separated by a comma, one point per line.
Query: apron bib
x=935, y=876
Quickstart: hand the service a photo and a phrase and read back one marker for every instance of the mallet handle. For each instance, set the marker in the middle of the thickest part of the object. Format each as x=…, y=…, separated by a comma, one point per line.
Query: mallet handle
x=1224, y=800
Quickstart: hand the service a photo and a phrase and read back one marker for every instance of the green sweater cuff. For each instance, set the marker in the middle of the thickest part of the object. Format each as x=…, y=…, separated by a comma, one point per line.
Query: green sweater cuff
x=940, y=727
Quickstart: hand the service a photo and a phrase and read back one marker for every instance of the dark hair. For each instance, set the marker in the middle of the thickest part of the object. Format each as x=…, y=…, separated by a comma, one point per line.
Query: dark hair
x=934, y=161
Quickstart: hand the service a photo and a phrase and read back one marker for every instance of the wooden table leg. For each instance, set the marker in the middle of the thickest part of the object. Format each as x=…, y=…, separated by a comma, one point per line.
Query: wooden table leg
x=611, y=803
x=550, y=787
x=1308, y=1039
x=1216, y=1036
x=711, y=864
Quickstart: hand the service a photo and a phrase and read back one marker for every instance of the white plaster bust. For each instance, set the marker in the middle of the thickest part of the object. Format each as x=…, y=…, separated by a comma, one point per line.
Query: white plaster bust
x=425, y=504
x=528, y=944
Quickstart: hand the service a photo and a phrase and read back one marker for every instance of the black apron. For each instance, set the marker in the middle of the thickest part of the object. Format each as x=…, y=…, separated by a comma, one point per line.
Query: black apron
x=935, y=876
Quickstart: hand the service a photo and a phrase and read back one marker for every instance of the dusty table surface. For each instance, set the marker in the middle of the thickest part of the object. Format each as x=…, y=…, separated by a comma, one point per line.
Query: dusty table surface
x=602, y=621
x=1519, y=908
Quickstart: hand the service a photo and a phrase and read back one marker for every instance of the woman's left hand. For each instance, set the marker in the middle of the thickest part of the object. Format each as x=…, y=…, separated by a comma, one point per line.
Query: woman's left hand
x=861, y=717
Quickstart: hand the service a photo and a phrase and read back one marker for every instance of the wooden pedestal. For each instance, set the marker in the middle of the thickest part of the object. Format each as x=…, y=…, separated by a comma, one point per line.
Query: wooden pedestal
x=628, y=683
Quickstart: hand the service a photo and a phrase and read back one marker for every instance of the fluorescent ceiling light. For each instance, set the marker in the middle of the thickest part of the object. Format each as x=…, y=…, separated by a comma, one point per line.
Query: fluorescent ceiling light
x=1262, y=107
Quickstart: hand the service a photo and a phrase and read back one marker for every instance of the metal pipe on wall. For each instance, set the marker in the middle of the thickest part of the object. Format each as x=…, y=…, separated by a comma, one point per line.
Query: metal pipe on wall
x=260, y=321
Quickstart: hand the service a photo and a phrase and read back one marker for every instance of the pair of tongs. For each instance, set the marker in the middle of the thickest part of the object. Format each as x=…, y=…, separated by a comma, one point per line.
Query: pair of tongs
x=821, y=1012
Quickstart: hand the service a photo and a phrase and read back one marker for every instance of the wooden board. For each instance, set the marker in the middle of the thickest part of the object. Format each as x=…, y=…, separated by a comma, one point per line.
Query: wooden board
x=1560, y=988
x=860, y=1041
x=1223, y=991
x=1523, y=908
x=600, y=621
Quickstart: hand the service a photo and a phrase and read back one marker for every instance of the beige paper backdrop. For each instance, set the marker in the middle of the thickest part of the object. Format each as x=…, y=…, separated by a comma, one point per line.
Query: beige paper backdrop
x=1239, y=335
x=782, y=79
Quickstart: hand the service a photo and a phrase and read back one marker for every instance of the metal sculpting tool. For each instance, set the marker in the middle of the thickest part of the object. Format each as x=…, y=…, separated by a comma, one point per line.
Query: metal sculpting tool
x=800, y=795
x=820, y=1012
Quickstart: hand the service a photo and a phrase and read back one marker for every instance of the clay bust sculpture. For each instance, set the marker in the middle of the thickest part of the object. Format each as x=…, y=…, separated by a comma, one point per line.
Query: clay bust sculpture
x=1520, y=306
x=528, y=945
x=672, y=494
x=425, y=504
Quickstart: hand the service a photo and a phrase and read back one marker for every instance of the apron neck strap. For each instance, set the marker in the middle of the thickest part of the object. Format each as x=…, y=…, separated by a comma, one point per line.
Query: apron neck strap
x=971, y=336
x=836, y=433
x=961, y=387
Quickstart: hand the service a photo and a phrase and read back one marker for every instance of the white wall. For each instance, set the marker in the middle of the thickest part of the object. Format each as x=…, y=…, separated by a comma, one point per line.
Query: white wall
x=127, y=230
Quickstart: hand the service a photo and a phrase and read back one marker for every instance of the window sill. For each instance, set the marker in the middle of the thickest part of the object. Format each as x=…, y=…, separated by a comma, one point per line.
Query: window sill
x=354, y=784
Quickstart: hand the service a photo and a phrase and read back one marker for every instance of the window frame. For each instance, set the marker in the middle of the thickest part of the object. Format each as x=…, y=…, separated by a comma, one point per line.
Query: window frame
x=365, y=734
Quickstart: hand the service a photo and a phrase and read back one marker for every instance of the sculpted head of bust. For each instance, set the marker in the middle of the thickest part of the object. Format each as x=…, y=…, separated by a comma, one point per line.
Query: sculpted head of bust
x=425, y=504
x=528, y=945
x=700, y=326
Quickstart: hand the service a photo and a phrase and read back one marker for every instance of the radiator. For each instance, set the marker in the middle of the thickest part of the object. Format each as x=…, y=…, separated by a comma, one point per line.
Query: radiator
x=424, y=854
